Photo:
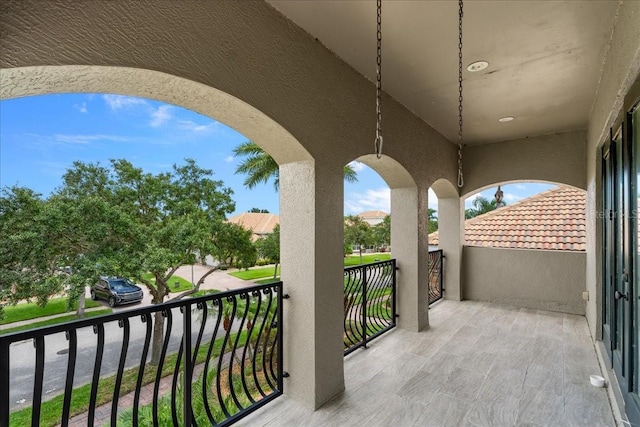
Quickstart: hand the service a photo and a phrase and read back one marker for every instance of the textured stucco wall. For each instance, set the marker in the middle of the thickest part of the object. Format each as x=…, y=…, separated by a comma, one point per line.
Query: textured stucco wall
x=620, y=70
x=555, y=158
x=546, y=280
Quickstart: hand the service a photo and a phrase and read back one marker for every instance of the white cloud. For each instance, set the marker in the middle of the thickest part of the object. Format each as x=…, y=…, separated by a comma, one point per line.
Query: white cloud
x=115, y=102
x=510, y=197
x=81, y=107
x=229, y=159
x=160, y=116
x=357, y=166
x=433, y=200
x=520, y=187
x=370, y=200
x=86, y=139
x=192, y=126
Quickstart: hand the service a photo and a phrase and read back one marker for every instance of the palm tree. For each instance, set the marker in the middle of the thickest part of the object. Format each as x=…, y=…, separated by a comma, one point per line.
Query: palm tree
x=260, y=166
x=481, y=205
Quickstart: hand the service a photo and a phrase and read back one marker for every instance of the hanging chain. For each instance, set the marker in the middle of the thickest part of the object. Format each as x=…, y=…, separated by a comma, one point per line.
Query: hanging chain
x=460, y=176
x=378, y=142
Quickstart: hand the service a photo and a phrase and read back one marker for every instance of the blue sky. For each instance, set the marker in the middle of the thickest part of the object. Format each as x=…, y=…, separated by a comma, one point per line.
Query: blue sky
x=41, y=136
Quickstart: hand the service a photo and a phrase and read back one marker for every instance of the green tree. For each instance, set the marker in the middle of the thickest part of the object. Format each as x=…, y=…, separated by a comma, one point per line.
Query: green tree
x=433, y=221
x=481, y=205
x=260, y=167
x=382, y=232
x=269, y=247
x=234, y=246
x=358, y=232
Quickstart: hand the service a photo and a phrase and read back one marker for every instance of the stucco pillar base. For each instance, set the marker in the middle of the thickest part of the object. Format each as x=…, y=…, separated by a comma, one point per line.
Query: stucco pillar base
x=409, y=247
x=451, y=239
x=311, y=250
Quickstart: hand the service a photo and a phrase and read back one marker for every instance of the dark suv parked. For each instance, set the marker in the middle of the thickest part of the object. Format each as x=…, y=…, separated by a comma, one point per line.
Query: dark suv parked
x=116, y=290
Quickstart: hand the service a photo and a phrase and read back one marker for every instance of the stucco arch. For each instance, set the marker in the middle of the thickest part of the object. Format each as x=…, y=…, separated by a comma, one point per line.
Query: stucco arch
x=444, y=189
x=249, y=121
x=516, y=181
x=554, y=158
x=392, y=171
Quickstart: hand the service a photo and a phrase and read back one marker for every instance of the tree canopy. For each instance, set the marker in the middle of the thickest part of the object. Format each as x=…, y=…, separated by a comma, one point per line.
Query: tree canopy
x=259, y=167
x=358, y=232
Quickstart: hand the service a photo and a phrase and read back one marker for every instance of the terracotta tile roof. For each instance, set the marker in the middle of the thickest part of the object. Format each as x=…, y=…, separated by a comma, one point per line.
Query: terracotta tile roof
x=372, y=214
x=259, y=223
x=553, y=220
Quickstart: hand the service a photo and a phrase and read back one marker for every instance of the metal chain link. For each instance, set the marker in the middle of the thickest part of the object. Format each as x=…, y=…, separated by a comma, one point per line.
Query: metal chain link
x=460, y=145
x=378, y=141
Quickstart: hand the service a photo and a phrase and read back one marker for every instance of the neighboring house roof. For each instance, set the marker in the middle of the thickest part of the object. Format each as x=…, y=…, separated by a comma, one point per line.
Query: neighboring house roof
x=552, y=220
x=372, y=215
x=260, y=224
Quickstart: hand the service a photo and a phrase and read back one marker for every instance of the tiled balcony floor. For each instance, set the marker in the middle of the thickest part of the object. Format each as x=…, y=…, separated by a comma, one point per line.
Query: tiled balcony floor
x=478, y=365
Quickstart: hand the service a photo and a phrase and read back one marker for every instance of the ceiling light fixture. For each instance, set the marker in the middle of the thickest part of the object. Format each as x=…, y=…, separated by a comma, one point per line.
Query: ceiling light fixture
x=505, y=119
x=477, y=66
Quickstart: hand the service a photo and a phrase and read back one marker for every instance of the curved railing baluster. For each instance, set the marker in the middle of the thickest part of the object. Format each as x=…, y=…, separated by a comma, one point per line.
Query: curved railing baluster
x=263, y=325
x=174, y=385
x=146, y=319
x=37, y=384
x=207, y=406
x=99, y=330
x=227, y=328
x=233, y=354
x=247, y=345
x=72, y=337
x=257, y=318
x=123, y=323
x=165, y=313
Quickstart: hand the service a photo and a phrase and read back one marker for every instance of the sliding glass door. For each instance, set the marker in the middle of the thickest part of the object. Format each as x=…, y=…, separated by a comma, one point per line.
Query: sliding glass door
x=621, y=259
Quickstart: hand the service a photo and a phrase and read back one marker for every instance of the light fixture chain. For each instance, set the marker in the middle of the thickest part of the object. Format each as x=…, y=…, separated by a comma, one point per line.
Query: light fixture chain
x=378, y=142
x=460, y=145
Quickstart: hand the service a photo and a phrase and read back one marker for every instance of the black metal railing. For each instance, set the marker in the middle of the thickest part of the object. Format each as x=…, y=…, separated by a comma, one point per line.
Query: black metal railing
x=436, y=274
x=209, y=360
x=369, y=302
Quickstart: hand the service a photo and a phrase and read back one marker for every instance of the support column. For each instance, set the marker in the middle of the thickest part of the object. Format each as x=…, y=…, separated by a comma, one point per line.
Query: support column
x=451, y=239
x=311, y=250
x=409, y=246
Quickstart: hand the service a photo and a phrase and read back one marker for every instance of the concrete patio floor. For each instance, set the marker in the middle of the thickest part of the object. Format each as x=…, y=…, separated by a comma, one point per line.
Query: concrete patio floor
x=479, y=364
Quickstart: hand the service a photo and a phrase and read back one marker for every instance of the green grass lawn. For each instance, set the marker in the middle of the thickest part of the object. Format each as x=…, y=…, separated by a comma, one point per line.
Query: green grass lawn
x=267, y=272
x=30, y=310
x=184, y=285
x=256, y=273
x=56, y=321
x=366, y=259
x=267, y=280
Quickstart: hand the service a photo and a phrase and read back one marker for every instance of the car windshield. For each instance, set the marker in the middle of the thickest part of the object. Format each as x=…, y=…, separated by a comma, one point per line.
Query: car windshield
x=119, y=284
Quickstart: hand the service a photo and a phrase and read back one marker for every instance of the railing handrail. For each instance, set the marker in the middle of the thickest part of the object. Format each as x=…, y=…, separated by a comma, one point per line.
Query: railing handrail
x=368, y=264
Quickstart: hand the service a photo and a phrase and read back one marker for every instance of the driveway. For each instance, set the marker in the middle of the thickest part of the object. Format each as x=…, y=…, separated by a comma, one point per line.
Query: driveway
x=219, y=280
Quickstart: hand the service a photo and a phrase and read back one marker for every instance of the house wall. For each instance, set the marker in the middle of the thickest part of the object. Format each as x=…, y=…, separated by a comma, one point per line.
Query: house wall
x=619, y=72
x=545, y=280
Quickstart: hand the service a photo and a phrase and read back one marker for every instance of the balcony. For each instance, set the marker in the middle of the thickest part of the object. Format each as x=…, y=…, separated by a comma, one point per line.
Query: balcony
x=479, y=364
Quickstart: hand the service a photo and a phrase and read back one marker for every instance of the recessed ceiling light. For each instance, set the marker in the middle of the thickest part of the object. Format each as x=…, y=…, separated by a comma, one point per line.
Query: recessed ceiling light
x=477, y=66
x=505, y=119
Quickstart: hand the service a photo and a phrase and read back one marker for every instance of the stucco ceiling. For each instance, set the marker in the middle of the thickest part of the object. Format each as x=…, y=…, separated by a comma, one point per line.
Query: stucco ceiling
x=544, y=58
